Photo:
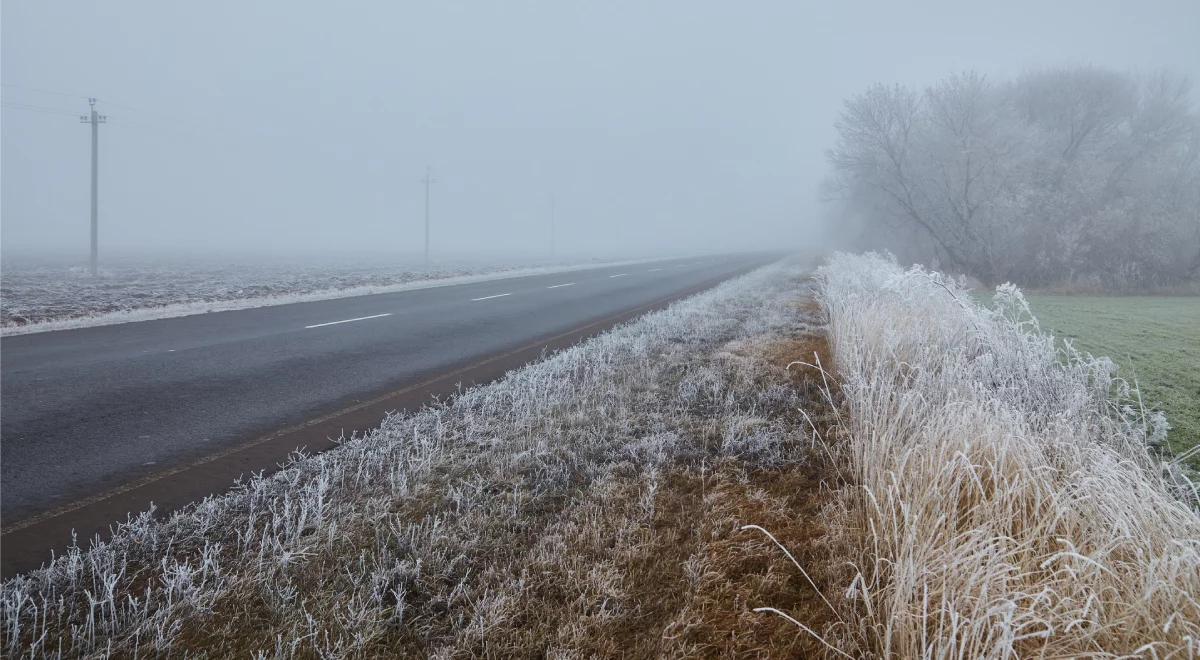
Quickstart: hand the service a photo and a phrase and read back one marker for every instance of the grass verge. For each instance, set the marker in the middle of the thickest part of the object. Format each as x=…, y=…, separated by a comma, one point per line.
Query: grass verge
x=1002, y=500
x=592, y=503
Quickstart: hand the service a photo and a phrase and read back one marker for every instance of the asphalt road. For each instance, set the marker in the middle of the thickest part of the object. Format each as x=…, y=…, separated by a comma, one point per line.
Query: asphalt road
x=86, y=411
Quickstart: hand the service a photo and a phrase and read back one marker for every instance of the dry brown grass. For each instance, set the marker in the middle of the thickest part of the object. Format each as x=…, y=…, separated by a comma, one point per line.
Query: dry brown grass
x=1004, y=501
x=663, y=569
x=636, y=565
x=733, y=570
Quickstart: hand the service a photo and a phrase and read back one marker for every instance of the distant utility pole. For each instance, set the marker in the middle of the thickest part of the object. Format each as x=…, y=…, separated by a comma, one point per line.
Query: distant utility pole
x=427, y=181
x=95, y=120
x=552, y=218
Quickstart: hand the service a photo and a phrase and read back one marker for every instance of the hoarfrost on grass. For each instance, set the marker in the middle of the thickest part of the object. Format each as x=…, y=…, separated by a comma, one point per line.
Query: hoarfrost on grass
x=1010, y=492
x=437, y=531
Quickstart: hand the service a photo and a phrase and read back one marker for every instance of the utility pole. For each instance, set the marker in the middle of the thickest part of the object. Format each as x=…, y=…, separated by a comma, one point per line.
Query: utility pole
x=95, y=120
x=427, y=181
x=552, y=219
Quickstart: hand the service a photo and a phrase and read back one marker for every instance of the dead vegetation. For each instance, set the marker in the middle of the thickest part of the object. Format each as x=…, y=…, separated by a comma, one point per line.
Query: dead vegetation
x=592, y=504
x=1002, y=500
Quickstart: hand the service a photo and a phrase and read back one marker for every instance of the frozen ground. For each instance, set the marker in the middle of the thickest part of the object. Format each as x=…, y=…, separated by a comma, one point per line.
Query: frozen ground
x=586, y=505
x=41, y=296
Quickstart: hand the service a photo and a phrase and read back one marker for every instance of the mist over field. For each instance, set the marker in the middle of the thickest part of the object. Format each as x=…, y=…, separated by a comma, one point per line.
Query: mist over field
x=272, y=130
x=630, y=329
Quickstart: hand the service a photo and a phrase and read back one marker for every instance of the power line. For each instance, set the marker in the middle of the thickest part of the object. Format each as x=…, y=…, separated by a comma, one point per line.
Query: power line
x=70, y=95
x=106, y=99
x=144, y=120
x=13, y=105
x=44, y=91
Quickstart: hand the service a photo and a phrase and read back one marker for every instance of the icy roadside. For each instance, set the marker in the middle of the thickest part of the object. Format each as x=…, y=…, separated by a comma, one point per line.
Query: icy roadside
x=34, y=301
x=589, y=503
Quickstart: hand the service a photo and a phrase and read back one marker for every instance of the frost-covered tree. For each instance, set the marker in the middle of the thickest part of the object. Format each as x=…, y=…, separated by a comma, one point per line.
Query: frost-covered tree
x=1064, y=175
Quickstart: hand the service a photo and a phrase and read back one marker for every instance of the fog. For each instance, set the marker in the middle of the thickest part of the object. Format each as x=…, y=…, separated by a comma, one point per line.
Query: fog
x=666, y=127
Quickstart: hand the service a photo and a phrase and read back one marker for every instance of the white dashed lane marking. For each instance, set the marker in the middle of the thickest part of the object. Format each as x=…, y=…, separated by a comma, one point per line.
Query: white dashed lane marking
x=361, y=318
x=498, y=295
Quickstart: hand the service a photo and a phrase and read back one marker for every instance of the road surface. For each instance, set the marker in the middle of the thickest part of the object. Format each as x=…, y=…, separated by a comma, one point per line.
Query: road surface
x=94, y=412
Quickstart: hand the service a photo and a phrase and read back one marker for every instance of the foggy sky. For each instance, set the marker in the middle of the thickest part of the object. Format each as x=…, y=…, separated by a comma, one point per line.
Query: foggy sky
x=658, y=126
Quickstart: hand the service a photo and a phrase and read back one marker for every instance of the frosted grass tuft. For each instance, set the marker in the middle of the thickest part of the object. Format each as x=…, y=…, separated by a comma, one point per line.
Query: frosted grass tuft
x=1007, y=491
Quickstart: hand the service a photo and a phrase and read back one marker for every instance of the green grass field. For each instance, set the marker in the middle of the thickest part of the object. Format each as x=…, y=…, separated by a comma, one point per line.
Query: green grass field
x=1154, y=339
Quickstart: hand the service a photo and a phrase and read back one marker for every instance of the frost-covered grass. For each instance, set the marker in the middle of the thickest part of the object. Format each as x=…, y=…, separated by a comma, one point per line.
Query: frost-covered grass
x=1002, y=499
x=535, y=516
x=38, y=297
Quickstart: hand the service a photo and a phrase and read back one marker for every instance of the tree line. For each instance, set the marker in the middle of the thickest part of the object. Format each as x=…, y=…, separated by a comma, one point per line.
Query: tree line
x=1079, y=176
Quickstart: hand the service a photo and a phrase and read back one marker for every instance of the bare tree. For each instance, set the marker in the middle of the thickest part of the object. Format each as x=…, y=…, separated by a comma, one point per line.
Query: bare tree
x=1061, y=175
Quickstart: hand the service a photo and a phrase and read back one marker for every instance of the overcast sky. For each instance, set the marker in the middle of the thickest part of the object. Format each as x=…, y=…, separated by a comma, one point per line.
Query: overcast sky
x=658, y=126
